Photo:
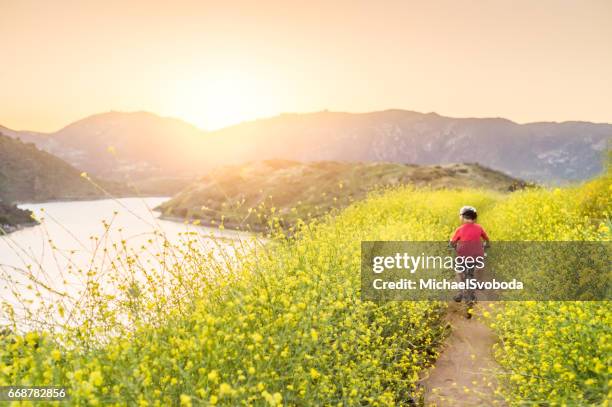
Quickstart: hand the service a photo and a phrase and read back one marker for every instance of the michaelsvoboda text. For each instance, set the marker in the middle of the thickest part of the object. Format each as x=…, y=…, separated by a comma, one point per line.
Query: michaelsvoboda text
x=444, y=284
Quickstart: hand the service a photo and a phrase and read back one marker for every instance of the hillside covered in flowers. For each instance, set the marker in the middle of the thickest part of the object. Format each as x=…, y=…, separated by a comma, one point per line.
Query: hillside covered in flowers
x=285, y=324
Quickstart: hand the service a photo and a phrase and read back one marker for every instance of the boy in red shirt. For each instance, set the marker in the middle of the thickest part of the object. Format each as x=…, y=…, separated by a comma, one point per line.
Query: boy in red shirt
x=468, y=241
x=467, y=237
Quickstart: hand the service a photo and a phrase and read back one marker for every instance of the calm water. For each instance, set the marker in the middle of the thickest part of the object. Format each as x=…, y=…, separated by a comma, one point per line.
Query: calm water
x=73, y=236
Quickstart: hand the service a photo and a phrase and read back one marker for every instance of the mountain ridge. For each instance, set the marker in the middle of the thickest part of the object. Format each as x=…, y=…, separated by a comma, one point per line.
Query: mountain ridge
x=10, y=131
x=28, y=174
x=145, y=143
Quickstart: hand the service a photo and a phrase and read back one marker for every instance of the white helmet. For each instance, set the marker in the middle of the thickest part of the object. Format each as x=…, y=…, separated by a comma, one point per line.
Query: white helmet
x=465, y=209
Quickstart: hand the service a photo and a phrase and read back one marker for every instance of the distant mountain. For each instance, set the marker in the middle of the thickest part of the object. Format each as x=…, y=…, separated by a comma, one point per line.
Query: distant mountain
x=115, y=144
x=146, y=144
x=248, y=196
x=28, y=174
x=543, y=152
x=26, y=136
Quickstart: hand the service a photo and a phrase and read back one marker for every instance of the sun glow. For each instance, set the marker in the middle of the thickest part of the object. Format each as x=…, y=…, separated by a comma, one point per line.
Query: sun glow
x=217, y=101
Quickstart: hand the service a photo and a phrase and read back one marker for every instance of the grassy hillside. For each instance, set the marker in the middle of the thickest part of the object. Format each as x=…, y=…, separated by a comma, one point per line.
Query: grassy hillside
x=253, y=195
x=285, y=327
x=28, y=174
x=555, y=353
x=286, y=324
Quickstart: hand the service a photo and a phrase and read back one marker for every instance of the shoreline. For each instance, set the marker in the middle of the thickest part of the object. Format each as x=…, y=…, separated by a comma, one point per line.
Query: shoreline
x=87, y=198
x=6, y=229
x=207, y=223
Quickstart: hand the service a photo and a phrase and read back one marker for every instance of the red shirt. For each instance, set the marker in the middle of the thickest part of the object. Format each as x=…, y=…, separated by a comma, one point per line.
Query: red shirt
x=468, y=238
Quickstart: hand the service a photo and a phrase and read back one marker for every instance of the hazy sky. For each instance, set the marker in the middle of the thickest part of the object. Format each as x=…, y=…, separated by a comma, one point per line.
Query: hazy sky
x=220, y=62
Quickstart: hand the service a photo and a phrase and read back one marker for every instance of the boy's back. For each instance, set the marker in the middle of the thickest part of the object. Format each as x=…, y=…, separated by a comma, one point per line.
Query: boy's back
x=468, y=238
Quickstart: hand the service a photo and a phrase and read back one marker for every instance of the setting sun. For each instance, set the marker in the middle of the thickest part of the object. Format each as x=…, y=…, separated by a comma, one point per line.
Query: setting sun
x=215, y=101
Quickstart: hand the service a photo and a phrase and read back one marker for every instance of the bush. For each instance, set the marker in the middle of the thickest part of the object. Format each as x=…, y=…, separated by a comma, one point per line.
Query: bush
x=555, y=353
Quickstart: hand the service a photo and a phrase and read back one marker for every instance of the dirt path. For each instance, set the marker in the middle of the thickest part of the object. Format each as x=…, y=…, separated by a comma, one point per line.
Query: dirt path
x=464, y=374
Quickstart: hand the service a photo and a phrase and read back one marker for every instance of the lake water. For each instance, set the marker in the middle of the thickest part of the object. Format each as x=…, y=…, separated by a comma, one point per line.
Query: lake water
x=73, y=236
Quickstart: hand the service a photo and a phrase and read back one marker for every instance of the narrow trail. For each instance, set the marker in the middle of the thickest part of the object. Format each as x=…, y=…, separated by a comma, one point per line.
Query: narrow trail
x=464, y=374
